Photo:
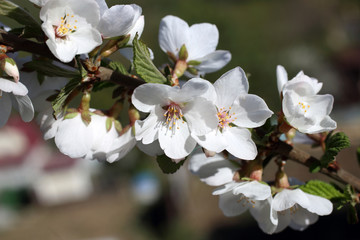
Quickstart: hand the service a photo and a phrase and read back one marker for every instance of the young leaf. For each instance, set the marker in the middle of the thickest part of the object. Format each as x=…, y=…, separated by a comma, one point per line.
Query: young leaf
x=144, y=67
x=51, y=70
x=334, y=144
x=58, y=103
x=322, y=189
x=15, y=12
x=117, y=66
x=167, y=165
x=98, y=86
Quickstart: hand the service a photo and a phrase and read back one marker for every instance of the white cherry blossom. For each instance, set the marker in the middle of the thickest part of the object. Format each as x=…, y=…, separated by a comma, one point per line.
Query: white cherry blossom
x=297, y=209
x=14, y=90
x=303, y=107
x=236, y=111
x=70, y=26
x=200, y=41
x=174, y=113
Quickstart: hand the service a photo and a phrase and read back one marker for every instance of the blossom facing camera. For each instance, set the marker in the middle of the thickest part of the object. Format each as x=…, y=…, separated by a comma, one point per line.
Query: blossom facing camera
x=200, y=41
x=303, y=107
x=236, y=111
x=174, y=113
x=70, y=26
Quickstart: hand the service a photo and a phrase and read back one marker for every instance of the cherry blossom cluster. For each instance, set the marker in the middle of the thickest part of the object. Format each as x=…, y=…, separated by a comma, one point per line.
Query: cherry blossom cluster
x=185, y=116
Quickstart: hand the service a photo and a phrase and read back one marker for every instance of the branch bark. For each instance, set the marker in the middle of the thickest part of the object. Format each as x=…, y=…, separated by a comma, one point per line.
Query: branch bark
x=304, y=158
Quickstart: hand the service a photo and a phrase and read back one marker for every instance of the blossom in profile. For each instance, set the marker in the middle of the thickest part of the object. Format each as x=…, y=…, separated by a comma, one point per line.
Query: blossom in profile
x=70, y=26
x=297, y=209
x=120, y=20
x=200, y=41
x=14, y=90
x=236, y=112
x=174, y=113
x=303, y=107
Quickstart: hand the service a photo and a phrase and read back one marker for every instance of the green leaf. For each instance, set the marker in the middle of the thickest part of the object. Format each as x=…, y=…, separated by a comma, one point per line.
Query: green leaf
x=334, y=144
x=98, y=86
x=358, y=154
x=322, y=189
x=119, y=67
x=58, y=103
x=15, y=12
x=143, y=64
x=352, y=216
x=167, y=165
x=81, y=68
x=49, y=69
x=315, y=167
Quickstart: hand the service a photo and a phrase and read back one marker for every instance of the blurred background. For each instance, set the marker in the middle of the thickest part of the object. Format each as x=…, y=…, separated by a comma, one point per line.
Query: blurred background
x=47, y=196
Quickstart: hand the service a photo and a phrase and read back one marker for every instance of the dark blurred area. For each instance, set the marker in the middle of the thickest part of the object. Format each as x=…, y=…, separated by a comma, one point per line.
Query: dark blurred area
x=47, y=196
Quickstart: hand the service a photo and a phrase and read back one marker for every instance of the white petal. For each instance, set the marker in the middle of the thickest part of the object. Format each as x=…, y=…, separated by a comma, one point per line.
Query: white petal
x=146, y=96
x=201, y=116
x=265, y=216
x=240, y=143
x=121, y=146
x=230, y=205
x=64, y=50
x=153, y=149
x=302, y=218
x=48, y=125
x=319, y=205
x=86, y=39
x=213, y=61
x=284, y=219
x=176, y=142
x=26, y=108
x=119, y=20
x=73, y=138
x=173, y=33
x=138, y=28
x=288, y=198
x=230, y=86
x=253, y=190
x=213, y=141
x=282, y=77
x=214, y=171
x=204, y=38
x=147, y=130
x=10, y=86
x=196, y=87
x=5, y=108
x=250, y=111
x=102, y=6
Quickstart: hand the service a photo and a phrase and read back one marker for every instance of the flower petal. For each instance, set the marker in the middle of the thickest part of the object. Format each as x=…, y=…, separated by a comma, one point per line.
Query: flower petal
x=26, y=108
x=230, y=206
x=214, y=171
x=138, y=28
x=250, y=111
x=230, y=86
x=173, y=33
x=176, y=142
x=146, y=96
x=265, y=216
x=121, y=146
x=302, y=218
x=147, y=130
x=288, y=198
x=152, y=149
x=240, y=143
x=10, y=86
x=5, y=108
x=204, y=39
x=213, y=141
x=282, y=77
x=213, y=61
x=253, y=190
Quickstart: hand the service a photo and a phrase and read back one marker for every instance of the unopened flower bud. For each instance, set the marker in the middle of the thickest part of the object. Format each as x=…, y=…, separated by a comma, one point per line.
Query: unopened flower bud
x=281, y=179
x=8, y=65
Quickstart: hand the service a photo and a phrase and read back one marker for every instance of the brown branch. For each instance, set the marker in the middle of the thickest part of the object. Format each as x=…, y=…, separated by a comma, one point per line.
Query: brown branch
x=304, y=158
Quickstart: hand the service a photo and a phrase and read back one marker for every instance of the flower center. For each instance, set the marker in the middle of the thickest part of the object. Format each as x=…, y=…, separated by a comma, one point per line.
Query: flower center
x=245, y=200
x=67, y=26
x=303, y=107
x=225, y=118
x=172, y=115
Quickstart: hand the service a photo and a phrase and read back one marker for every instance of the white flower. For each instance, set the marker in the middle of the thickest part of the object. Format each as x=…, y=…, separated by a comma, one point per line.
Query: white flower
x=303, y=108
x=298, y=209
x=174, y=112
x=94, y=141
x=40, y=3
x=236, y=111
x=8, y=90
x=70, y=26
x=120, y=20
x=200, y=41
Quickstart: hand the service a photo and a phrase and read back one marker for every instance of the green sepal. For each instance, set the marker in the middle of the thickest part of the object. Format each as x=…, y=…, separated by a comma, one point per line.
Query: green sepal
x=10, y=61
x=143, y=64
x=183, y=53
x=86, y=117
x=118, y=126
x=108, y=123
x=71, y=115
x=58, y=103
x=48, y=69
x=193, y=63
x=167, y=165
x=192, y=70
